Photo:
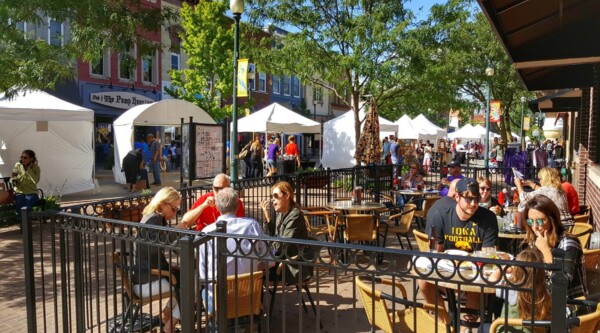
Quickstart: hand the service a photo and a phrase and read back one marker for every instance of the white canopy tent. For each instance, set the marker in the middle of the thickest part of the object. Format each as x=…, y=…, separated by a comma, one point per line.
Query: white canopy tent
x=60, y=133
x=428, y=130
x=465, y=132
x=406, y=129
x=164, y=113
x=277, y=118
x=339, y=139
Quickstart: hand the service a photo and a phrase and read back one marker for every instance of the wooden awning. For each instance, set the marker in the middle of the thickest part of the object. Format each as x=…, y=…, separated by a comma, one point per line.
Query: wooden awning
x=565, y=100
x=553, y=44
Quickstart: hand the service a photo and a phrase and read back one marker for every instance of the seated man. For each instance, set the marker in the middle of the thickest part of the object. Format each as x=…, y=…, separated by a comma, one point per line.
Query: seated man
x=462, y=226
x=227, y=204
x=204, y=211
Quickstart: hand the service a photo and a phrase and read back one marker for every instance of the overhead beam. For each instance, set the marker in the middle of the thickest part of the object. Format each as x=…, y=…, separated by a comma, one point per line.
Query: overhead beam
x=556, y=62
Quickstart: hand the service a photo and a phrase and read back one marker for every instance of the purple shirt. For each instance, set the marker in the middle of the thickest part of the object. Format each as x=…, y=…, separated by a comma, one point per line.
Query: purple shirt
x=272, y=151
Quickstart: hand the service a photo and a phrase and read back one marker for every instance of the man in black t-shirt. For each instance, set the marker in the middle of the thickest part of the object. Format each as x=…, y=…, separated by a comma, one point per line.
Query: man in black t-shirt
x=461, y=226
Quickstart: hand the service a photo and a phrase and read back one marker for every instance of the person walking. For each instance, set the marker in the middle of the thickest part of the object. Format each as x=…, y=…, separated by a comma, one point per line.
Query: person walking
x=154, y=158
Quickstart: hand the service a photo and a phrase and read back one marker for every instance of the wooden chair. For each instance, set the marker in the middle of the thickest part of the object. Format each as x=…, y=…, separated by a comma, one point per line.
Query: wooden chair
x=583, y=232
x=360, y=228
x=244, y=295
x=422, y=240
x=415, y=317
x=591, y=259
x=421, y=215
x=585, y=218
x=328, y=229
x=399, y=224
x=133, y=302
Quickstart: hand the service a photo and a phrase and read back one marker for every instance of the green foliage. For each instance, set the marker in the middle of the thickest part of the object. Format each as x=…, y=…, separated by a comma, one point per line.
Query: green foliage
x=51, y=203
x=94, y=25
x=146, y=191
x=208, y=42
x=343, y=183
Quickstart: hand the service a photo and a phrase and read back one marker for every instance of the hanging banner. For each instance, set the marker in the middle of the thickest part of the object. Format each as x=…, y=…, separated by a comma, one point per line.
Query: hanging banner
x=494, y=111
x=242, y=84
x=526, y=122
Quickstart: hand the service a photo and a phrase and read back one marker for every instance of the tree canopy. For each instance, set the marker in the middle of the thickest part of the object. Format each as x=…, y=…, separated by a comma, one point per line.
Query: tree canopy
x=95, y=25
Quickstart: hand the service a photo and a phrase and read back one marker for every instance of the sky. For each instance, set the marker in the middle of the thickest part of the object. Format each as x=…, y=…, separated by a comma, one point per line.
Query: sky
x=421, y=7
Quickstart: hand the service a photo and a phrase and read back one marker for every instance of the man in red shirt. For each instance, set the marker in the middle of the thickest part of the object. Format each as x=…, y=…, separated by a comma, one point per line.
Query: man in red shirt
x=204, y=211
x=571, y=195
x=291, y=149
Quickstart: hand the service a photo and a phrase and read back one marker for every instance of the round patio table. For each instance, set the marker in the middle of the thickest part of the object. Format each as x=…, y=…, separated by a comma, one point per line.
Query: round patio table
x=349, y=206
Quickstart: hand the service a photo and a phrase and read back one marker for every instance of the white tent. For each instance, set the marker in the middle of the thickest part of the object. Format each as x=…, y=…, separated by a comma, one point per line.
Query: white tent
x=428, y=130
x=277, y=118
x=405, y=128
x=164, y=113
x=465, y=132
x=339, y=139
x=60, y=133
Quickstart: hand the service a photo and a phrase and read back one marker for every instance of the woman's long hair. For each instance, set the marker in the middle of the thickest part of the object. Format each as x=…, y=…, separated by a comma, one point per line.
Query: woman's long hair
x=551, y=178
x=543, y=204
x=165, y=195
x=536, y=297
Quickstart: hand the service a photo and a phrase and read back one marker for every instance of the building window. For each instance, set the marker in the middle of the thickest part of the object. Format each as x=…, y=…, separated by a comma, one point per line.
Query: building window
x=102, y=66
x=296, y=86
x=127, y=65
x=251, y=77
x=175, y=64
x=318, y=94
x=276, y=82
x=148, y=68
x=262, y=82
x=286, y=86
x=55, y=32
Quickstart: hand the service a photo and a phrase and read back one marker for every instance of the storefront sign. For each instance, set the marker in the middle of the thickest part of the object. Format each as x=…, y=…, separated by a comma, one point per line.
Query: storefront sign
x=119, y=99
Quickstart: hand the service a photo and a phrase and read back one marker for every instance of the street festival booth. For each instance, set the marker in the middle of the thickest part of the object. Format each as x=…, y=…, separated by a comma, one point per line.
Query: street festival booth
x=339, y=139
x=60, y=133
x=406, y=130
x=276, y=118
x=428, y=130
x=168, y=113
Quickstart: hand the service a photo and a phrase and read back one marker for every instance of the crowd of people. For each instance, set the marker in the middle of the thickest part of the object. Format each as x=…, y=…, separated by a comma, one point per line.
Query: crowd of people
x=258, y=154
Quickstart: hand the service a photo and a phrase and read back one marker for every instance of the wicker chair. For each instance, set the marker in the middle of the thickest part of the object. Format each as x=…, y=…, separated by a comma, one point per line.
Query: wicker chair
x=360, y=228
x=422, y=240
x=585, y=218
x=328, y=229
x=581, y=324
x=583, y=232
x=244, y=295
x=591, y=259
x=399, y=224
x=415, y=317
x=421, y=215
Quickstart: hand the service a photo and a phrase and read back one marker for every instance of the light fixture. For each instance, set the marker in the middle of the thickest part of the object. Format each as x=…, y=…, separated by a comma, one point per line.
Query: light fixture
x=489, y=72
x=237, y=8
x=132, y=84
x=109, y=85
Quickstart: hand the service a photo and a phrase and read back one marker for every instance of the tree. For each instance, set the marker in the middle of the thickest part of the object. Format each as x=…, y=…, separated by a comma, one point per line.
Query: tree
x=208, y=41
x=458, y=44
x=95, y=25
x=350, y=48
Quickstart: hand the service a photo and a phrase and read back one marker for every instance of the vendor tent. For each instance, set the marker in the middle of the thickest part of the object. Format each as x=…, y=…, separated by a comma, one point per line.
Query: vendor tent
x=277, y=118
x=428, y=130
x=465, y=132
x=405, y=128
x=339, y=139
x=60, y=133
x=164, y=113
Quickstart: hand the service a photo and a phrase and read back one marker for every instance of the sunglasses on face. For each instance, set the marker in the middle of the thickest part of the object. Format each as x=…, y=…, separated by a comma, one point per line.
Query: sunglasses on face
x=277, y=196
x=539, y=222
x=174, y=208
x=485, y=189
x=217, y=188
x=470, y=201
x=24, y=157
x=413, y=167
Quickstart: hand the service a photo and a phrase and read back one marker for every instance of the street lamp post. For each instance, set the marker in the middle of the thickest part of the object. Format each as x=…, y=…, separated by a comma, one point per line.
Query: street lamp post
x=489, y=72
x=314, y=108
x=523, y=99
x=237, y=8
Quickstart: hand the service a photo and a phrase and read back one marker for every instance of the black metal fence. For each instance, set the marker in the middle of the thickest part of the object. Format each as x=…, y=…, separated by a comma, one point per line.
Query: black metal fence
x=79, y=269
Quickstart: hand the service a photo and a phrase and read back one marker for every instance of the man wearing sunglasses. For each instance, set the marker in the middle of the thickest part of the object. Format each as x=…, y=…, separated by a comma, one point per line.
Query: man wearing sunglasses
x=461, y=226
x=204, y=211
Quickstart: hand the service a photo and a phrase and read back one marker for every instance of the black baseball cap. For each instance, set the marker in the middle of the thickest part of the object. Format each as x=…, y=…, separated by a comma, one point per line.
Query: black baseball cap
x=467, y=184
x=453, y=164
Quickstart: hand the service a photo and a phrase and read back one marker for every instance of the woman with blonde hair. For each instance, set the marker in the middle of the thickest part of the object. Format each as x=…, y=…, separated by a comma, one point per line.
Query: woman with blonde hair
x=257, y=153
x=158, y=212
x=550, y=186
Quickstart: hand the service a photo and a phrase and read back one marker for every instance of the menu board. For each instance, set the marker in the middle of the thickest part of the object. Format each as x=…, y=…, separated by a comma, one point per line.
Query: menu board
x=209, y=148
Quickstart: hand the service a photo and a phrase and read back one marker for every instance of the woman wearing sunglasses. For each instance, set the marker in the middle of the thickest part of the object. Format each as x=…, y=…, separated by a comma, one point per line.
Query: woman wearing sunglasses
x=487, y=201
x=546, y=232
x=289, y=223
x=26, y=175
x=159, y=212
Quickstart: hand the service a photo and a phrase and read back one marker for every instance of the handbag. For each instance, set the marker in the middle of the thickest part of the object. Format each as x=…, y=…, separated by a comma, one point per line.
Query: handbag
x=243, y=153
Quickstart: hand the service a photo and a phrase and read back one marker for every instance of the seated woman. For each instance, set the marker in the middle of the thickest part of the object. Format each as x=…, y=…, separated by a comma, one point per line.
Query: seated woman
x=289, y=223
x=160, y=210
x=546, y=232
x=26, y=175
x=487, y=201
x=550, y=187
x=409, y=179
